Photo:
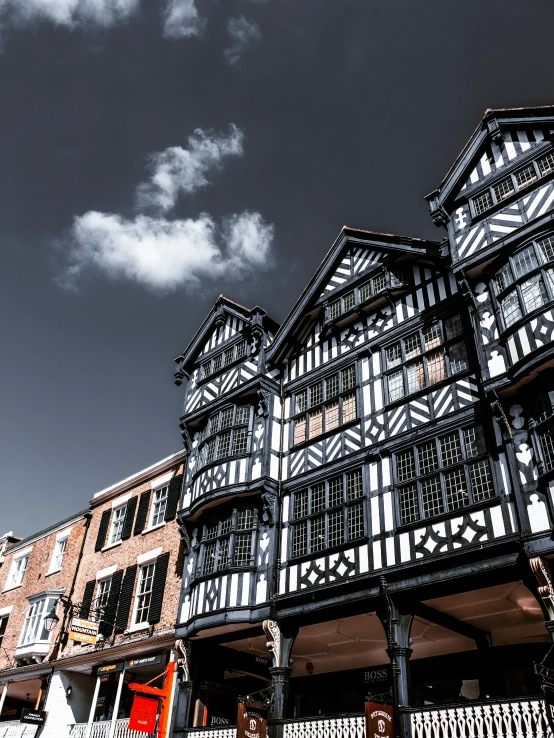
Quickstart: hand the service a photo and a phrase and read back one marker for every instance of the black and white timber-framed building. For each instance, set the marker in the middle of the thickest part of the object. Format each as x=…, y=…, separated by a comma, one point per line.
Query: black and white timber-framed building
x=370, y=486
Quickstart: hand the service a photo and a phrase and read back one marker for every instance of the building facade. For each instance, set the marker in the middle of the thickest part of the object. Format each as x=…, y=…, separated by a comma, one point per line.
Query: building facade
x=369, y=492
x=121, y=574
x=364, y=506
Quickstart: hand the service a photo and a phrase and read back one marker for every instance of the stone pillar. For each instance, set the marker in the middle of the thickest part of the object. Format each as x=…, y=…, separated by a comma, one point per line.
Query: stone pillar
x=180, y=721
x=280, y=640
x=280, y=677
x=397, y=623
x=183, y=702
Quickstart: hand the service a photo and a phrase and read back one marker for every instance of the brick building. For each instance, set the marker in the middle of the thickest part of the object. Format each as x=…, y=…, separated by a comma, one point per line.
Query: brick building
x=34, y=573
x=122, y=569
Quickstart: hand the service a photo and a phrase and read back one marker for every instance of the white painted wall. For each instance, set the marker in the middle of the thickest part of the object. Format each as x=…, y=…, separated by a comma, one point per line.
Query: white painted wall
x=64, y=711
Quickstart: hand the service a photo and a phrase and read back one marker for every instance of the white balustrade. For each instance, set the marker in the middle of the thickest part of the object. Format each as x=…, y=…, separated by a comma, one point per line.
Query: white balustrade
x=15, y=729
x=212, y=733
x=510, y=719
x=335, y=727
x=507, y=719
x=101, y=729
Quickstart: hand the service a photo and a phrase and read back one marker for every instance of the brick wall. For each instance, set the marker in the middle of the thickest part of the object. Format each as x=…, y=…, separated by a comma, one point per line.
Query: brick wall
x=125, y=554
x=36, y=579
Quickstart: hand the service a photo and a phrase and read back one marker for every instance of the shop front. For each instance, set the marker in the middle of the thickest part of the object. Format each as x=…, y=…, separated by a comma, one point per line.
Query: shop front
x=124, y=697
x=470, y=662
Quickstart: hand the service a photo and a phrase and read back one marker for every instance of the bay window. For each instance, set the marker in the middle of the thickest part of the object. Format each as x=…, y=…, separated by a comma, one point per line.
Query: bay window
x=226, y=434
x=228, y=542
x=526, y=282
x=33, y=627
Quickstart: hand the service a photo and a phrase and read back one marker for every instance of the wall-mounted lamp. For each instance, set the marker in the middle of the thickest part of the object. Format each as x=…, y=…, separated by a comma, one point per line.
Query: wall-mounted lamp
x=310, y=667
x=68, y=691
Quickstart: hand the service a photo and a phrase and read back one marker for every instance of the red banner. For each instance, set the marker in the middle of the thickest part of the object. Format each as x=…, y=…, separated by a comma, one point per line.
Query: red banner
x=378, y=720
x=251, y=722
x=143, y=714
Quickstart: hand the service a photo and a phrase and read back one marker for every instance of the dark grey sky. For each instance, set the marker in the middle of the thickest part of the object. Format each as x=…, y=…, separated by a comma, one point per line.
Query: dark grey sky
x=352, y=110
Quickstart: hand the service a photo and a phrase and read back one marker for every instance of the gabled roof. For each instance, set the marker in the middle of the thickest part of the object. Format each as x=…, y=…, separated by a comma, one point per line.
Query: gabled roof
x=490, y=128
x=389, y=243
x=222, y=308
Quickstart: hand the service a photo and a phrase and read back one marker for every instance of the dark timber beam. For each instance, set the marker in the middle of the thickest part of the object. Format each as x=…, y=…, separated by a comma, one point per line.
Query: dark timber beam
x=426, y=612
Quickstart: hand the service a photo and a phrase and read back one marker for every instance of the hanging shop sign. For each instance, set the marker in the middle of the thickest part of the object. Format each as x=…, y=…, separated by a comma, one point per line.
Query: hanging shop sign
x=143, y=661
x=110, y=668
x=83, y=631
x=251, y=722
x=378, y=720
x=143, y=714
x=32, y=717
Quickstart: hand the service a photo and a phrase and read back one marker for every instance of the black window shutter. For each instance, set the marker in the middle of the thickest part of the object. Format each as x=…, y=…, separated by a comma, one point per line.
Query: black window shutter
x=140, y=522
x=86, y=602
x=158, y=586
x=107, y=625
x=173, y=495
x=126, y=598
x=103, y=530
x=129, y=518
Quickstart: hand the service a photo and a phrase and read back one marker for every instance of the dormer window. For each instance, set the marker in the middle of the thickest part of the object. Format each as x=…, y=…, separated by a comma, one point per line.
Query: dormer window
x=482, y=203
x=384, y=279
x=223, y=359
x=513, y=183
x=504, y=189
x=546, y=164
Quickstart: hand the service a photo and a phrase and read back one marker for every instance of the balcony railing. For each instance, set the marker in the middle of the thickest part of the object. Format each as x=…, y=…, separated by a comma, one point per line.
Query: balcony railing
x=101, y=729
x=15, y=729
x=525, y=718
x=212, y=733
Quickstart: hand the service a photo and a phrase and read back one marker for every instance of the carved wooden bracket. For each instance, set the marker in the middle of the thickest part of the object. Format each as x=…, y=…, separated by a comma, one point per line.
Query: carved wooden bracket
x=541, y=570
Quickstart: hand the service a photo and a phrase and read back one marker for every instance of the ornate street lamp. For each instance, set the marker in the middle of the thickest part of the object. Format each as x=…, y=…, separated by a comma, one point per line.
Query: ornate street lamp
x=51, y=620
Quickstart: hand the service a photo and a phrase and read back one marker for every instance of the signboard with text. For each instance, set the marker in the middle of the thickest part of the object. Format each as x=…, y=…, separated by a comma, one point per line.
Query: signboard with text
x=32, y=717
x=143, y=661
x=110, y=668
x=83, y=631
x=143, y=714
x=251, y=722
x=378, y=720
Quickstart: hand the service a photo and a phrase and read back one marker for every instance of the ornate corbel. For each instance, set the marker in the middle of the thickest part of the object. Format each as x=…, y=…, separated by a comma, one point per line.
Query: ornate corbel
x=541, y=570
x=500, y=415
x=183, y=658
x=274, y=640
x=466, y=291
x=181, y=373
x=264, y=403
x=438, y=214
x=269, y=501
x=496, y=133
x=187, y=440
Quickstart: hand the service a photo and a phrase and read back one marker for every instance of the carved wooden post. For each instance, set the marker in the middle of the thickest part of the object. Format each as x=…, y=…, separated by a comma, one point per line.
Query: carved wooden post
x=397, y=625
x=279, y=643
x=183, y=704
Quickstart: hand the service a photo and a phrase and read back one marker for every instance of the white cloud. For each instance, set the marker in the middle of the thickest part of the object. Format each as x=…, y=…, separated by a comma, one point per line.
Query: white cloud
x=164, y=254
x=176, y=170
x=243, y=33
x=181, y=19
x=70, y=13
